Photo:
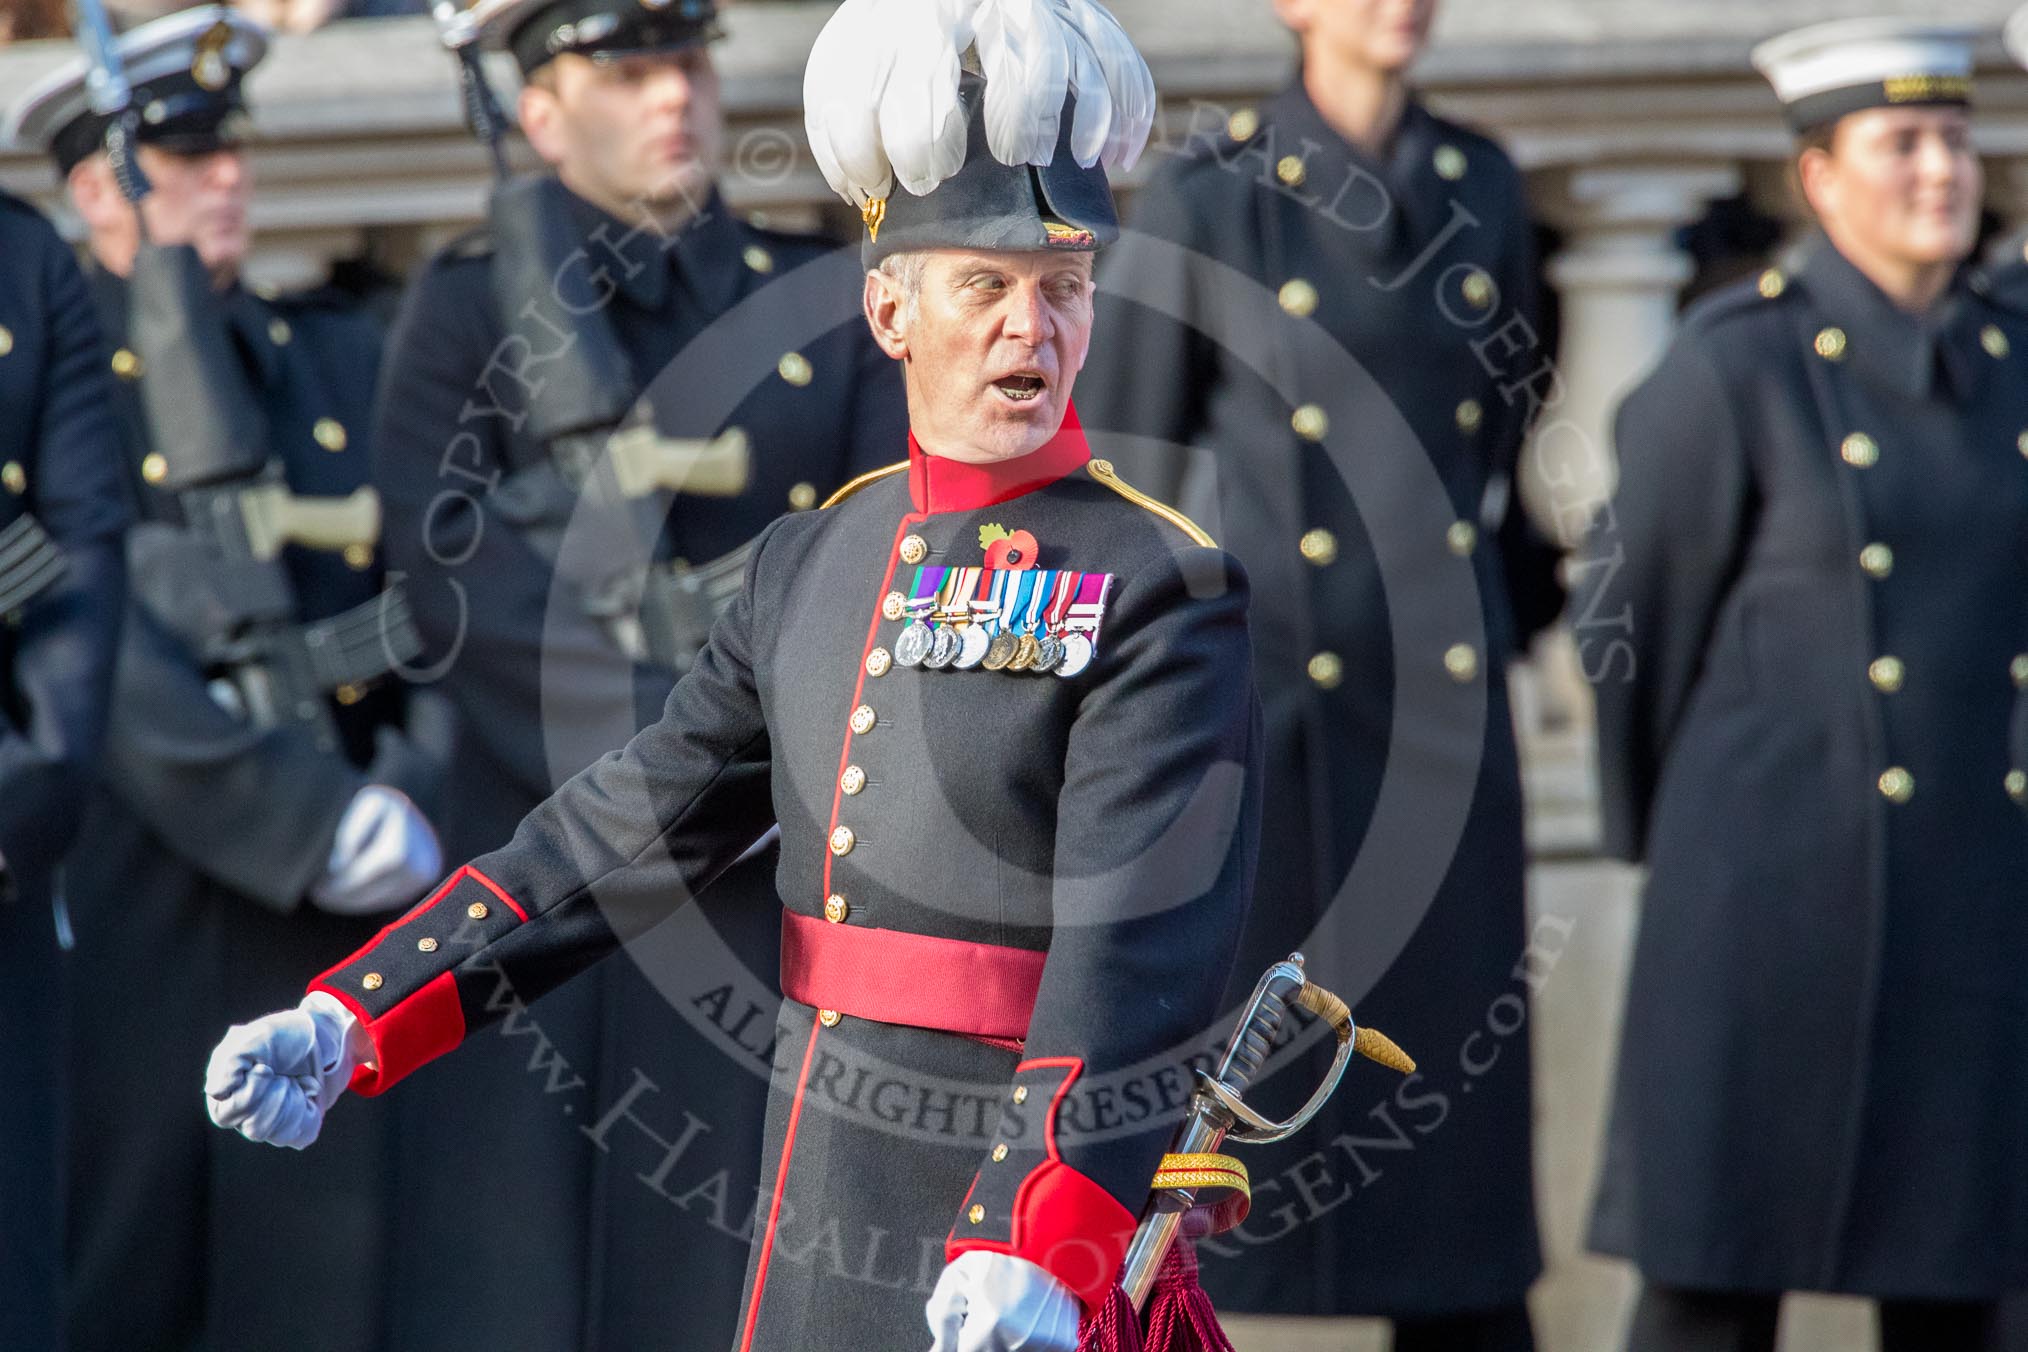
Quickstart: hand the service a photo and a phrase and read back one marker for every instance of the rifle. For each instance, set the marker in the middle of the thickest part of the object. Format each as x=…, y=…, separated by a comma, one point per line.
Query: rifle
x=217, y=580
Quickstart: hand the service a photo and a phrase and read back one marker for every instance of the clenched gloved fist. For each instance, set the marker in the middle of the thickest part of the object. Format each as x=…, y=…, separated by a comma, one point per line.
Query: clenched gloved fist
x=273, y=1080
x=991, y=1302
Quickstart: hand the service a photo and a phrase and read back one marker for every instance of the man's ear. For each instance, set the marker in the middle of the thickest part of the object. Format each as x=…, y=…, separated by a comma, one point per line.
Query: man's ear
x=539, y=114
x=884, y=311
x=1817, y=175
x=91, y=187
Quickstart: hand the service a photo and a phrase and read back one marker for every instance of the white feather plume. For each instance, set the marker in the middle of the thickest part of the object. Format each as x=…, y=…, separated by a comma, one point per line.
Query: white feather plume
x=880, y=94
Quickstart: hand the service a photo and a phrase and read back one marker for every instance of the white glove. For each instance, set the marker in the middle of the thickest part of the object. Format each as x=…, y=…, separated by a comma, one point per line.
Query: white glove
x=385, y=856
x=273, y=1080
x=991, y=1302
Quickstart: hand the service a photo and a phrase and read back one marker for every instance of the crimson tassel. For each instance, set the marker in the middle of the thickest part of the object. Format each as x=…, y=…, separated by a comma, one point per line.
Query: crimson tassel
x=1112, y=1327
x=1180, y=1317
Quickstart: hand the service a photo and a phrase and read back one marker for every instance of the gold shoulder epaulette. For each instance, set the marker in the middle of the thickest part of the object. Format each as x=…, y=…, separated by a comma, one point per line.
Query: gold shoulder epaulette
x=870, y=476
x=1102, y=470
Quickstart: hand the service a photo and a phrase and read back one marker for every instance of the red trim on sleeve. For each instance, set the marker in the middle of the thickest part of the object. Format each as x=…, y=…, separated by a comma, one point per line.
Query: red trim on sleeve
x=412, y=1034
x=494, y=888
x=1063, y=1222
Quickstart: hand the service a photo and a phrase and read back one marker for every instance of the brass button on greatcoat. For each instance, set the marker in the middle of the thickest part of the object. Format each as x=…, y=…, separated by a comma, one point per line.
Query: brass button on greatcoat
x=1289, y=169
x=795, y=368
x=2021, y=443
x=1773, y=283
x=426, y=945
x=1896, y=784
x=477, y=910
x=126, y=365
x=852, y=781
x=1327, y=670
x=829, y=1017
x=914, y=549
x=842, y=840
x=1860, y=451
x=802, y=497
x=6, y=340
x=1319, y=546
x=1462, y=538
x=1886, y=673
x=372, y=981
x=835, y=909
x=757, y=258
x=976, y=1214
x=1298, y=297
x=1450, y=163
x=1000, y=1152
x=1461, y=660
x=154, y=467
x=2017, y=785
x=330, y=434
x=1877, y=560
x=14, y=478
x=862, y=719
x=1310, y=422
x=894, y=606
x=1477, y=289
x=279, y=332
x=1243, y=124
x=1021, y=1094
x=878, y=661
x=1994, y=340
x=2018, y=669
x=1831, y=344
x=358, y=558
x=1470, y=414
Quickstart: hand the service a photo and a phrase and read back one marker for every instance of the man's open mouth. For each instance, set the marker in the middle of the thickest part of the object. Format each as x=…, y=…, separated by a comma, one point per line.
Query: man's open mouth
x=1021, y=386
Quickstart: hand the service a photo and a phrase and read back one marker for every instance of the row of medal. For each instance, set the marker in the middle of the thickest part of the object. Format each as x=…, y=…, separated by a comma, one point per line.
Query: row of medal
x=1038, y=620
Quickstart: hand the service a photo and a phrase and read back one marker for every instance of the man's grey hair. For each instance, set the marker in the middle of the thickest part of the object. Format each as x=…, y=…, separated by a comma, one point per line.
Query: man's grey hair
x=906, y=271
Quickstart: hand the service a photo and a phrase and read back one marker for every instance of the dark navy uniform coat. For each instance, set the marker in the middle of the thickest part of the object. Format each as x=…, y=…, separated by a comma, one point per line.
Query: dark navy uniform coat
x=189, y=902
x=1102, y=825
x=1803, y=612
x=725, y=327
x=1332, y=360
x=60, y=463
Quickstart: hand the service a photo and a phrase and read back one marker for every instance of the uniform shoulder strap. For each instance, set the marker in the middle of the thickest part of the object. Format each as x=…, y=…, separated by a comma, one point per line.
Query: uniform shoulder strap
x=1102, y=470
x=871, y=476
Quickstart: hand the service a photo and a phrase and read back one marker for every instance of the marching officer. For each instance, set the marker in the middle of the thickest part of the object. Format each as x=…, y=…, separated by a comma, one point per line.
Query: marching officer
x=62, y=581
x=999, y=704
x=259, y=798
x=1804, y=732
x=496, y=409
x=1350, y=413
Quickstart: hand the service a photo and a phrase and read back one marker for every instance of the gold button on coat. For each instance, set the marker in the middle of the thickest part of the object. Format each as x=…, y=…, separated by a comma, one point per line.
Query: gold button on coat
x=14, y=478
x=1860, y=451
x=862, y=719
x=426, y=945
x=1896, y=784
x=6, y=340
x=1449, y=162
x=1298, y=298
x=1000, y=1152
x=279, y=332
x=842, y=840
x=1310, y=422
x=1289, y=169
x=1462, y=538
x=802, y=497
x=1319, y=546
x=372, y=981
x=914, y=549
x=1242, y=124
x=1021, y=1094
x=794, y=367
x=2021, y=443
x=1994, y=341
x=1470, y=415
x=759, y=259
x=878, y=661
x=829, y=1017
x=359, y=558
x=154, y=467
x=2018, y=669
x=2017, y=785
x=1886, y=673
x=852, y=781
x=1772, y=283
x=1478, y=289
x=1326, y=669
x=477, y=910
x=894, y=606
x=330, y=434
x=1461, y=660
x=976, y=1214
x=126, y=365
x=835, y=909
x=1877, y=560
x=1831, y=344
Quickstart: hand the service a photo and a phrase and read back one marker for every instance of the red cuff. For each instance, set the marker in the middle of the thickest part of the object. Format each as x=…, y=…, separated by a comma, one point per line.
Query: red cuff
x=1068, y=1226
x=413, y=1033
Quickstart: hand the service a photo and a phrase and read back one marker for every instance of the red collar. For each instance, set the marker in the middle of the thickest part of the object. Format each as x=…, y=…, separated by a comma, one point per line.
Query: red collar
x=939, y=485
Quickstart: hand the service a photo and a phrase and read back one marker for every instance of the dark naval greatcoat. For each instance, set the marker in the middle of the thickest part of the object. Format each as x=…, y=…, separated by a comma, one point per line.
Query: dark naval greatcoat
x=1008, y=899
x=1332, y=360
x=1803, y=614
x=190, y=900
x=59, y=623
x=587, y=1100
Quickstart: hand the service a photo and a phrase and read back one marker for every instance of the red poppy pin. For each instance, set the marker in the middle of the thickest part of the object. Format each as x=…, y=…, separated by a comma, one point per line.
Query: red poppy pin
x=1015, y=549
